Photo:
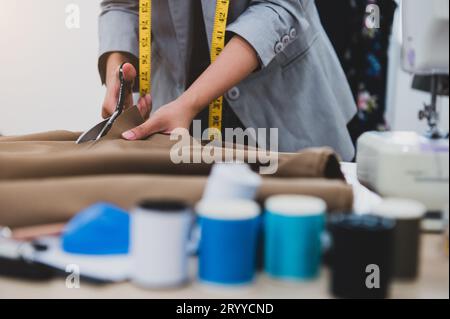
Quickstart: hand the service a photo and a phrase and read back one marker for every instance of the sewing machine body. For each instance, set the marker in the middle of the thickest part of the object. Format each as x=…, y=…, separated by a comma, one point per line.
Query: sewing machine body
x=406, y=165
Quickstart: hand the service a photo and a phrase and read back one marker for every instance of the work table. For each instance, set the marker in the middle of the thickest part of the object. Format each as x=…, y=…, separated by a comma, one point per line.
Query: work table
x=433, y=281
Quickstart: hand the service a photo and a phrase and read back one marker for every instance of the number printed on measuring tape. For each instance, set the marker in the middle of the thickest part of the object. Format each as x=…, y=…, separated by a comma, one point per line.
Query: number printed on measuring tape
x=145, y=46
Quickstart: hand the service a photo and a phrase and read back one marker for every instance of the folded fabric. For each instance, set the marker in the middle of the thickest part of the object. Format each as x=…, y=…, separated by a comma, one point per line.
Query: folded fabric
x=47, y=178
x=55, y=154
x=46, y=201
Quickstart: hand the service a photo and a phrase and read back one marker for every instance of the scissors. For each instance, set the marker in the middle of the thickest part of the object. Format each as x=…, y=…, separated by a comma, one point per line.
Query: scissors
x=101, y=129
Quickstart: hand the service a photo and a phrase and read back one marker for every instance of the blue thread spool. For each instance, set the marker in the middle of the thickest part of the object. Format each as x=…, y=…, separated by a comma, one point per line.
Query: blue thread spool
x=228, y=244
x=293, y=230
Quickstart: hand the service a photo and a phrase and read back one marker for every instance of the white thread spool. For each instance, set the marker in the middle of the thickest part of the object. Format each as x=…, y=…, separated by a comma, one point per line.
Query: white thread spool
x=159, y=238
x=232, y=181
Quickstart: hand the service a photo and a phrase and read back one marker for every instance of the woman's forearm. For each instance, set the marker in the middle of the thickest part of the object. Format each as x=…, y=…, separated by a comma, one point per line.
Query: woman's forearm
x=234, y=64
x=237, y=61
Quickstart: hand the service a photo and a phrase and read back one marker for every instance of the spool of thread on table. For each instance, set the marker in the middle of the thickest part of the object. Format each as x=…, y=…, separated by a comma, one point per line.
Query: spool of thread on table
x=408, y=215
x=361, y=256
x=229, y=237
x=446, y=231
x=159, y=237
x=293, y=227
x=232, y=181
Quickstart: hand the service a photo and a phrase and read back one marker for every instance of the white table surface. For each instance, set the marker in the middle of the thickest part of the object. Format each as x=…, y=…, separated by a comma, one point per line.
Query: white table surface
x=432, y=283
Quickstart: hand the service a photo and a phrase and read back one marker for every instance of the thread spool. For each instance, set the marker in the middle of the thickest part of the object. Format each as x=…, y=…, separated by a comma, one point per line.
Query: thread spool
x=361, y=256
x=160, y=233
x=232, y=181
x=293, y=229
x=229, y=237
x=408, y=215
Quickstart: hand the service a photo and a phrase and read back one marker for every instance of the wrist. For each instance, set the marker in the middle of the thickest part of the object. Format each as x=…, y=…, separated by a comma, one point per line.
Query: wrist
x=189, y=102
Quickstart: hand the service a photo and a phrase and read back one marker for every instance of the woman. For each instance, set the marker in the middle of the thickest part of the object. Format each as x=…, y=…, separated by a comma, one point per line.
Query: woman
x=278, y=70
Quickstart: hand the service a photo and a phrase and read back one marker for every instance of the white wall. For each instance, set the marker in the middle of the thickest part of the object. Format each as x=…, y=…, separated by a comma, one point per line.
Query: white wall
x=48, y=73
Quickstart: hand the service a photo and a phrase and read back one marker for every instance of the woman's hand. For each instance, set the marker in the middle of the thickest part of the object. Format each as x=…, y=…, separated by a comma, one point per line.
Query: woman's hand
x=169, y=117
x=115, y=60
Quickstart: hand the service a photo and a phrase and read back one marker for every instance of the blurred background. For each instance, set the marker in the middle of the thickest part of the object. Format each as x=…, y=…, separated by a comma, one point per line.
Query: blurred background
x=49, y=77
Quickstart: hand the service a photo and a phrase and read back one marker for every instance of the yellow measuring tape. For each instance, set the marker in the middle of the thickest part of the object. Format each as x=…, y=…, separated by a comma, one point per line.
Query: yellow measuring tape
x=217, y=46
x=145, y=46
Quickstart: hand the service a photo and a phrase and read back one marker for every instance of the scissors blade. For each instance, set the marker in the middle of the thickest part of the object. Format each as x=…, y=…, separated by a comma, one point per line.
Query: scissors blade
x=93, y=133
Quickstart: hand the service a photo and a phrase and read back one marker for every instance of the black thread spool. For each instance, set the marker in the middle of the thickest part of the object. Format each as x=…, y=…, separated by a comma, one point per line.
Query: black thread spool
x=358, y=243
x=408, y=215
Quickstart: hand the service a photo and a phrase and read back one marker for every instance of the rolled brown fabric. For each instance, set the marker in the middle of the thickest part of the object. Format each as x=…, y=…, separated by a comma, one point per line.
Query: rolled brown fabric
x=47, y=178
x=45, y=201
x=44, y=136
x=55, y=154
x=27, y=160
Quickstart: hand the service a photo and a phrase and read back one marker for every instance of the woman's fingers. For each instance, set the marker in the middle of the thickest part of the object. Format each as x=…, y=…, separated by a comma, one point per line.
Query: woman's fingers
x=168, y=118
x=150, y=127
x=113, y=87
x=129, y=72
x=109, y=104
x=145, y=106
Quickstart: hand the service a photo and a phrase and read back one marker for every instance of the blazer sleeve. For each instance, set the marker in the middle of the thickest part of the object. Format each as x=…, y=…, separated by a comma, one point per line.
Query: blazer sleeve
x=118, y=30
x=266, y=23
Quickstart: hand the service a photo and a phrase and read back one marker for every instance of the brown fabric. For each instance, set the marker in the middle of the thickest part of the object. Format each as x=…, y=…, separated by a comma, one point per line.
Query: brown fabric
x=56, y=200
x=55, y=154
x=47, y=178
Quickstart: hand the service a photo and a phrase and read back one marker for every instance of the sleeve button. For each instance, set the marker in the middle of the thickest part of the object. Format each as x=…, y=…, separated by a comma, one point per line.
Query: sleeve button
x=279, y=47
x=234, y=94
x=293, y=34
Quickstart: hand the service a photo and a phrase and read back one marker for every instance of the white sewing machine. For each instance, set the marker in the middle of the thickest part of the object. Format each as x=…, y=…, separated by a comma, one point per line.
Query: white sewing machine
x=406, y=164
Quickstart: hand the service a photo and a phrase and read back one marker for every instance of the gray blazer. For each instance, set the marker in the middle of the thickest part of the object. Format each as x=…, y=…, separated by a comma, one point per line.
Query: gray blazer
x=300, y=89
